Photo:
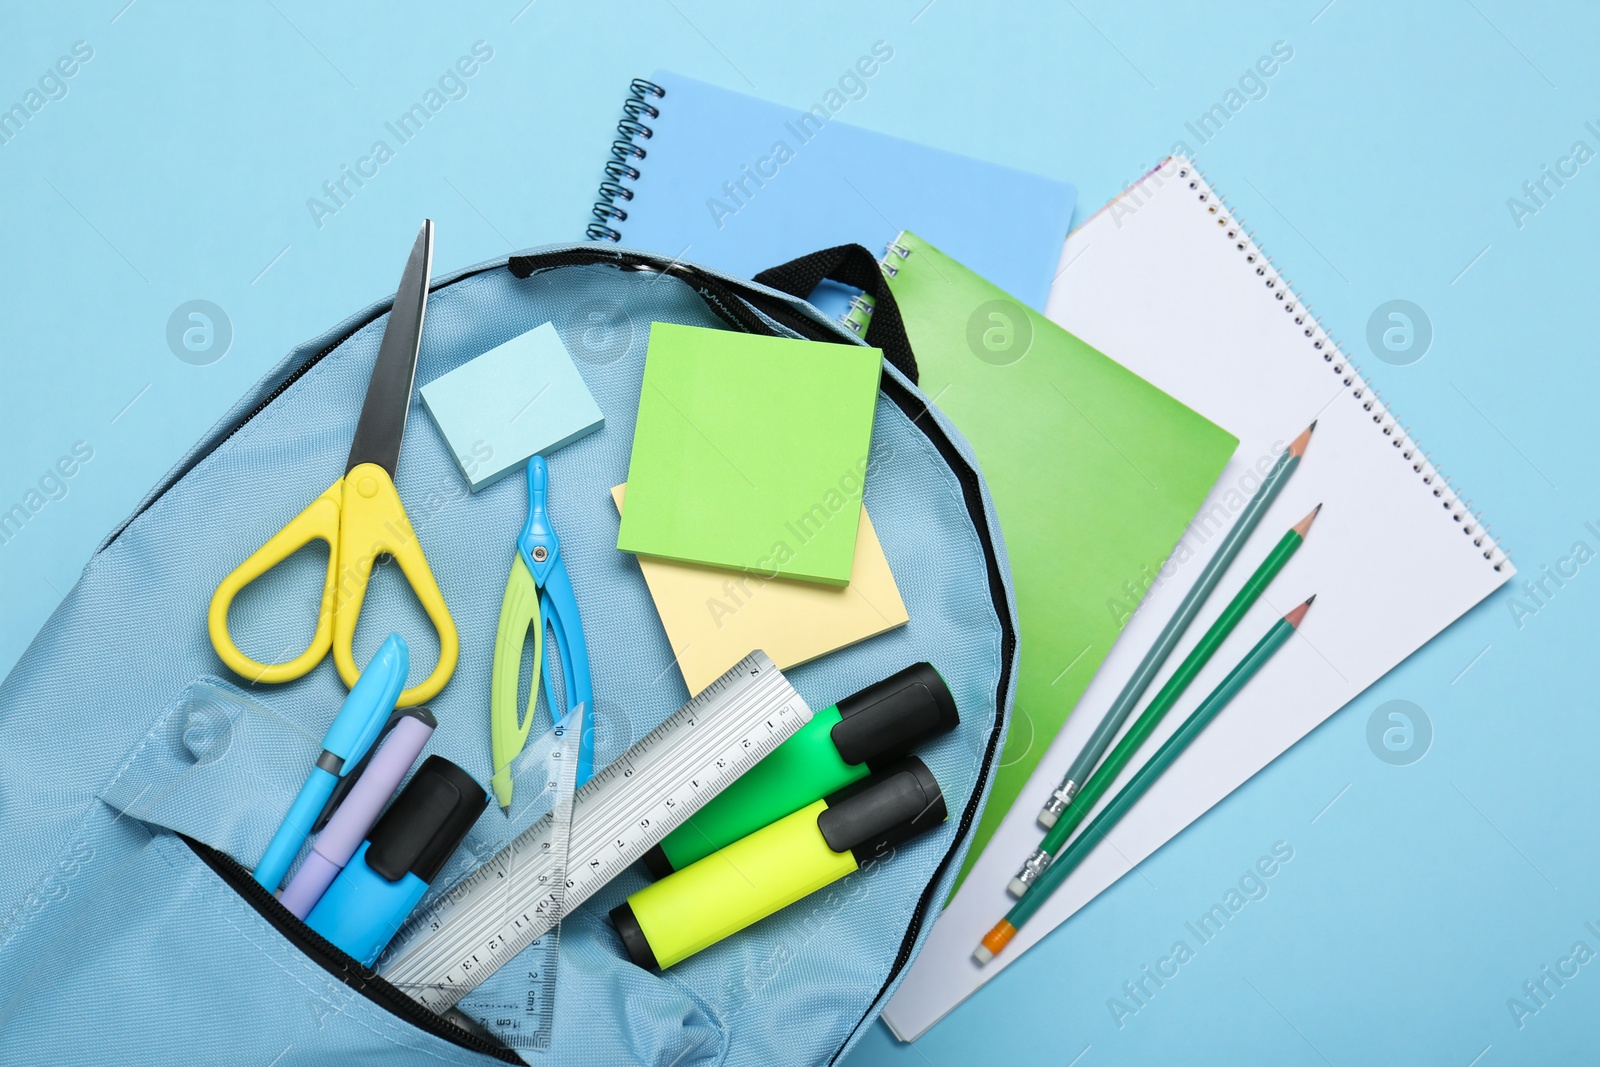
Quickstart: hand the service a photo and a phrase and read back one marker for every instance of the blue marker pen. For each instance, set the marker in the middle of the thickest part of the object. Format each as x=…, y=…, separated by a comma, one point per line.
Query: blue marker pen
x=408, y=846
x=351, y=734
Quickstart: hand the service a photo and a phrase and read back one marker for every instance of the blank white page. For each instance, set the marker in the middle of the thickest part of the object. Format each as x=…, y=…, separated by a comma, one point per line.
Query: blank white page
x=1166, y=281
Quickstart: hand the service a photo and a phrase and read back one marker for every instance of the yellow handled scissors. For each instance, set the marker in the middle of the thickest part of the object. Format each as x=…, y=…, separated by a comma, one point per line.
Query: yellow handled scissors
x=360, y=517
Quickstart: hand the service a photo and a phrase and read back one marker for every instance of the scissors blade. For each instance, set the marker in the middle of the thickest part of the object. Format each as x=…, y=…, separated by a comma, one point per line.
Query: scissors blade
x=383, y=414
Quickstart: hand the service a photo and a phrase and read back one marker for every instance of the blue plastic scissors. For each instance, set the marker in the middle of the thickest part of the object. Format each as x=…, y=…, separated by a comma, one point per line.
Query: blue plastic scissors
x=538, y=592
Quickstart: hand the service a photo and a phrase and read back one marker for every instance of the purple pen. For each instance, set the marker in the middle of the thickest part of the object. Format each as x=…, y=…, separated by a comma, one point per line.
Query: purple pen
x=359, y=810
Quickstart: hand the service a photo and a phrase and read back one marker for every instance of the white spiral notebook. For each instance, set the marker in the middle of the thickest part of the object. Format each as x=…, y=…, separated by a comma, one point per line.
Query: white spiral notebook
x=1166, y=281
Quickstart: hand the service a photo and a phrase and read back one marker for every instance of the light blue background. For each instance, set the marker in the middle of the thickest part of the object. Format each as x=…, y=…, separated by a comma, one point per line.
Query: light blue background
x=1378, y=166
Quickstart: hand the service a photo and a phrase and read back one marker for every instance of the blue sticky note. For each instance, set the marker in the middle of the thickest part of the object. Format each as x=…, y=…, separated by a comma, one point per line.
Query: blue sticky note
x=523, y=398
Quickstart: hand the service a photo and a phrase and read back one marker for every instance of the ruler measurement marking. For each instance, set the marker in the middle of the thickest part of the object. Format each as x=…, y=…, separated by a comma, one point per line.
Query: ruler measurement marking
x=606, y=872
x=733, y=747
x=610, y=869
x=610, y=813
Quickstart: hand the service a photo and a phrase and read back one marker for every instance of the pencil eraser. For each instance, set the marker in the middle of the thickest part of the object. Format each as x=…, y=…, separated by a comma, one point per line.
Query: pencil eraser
x=521, y=399
x=982, y=955
x=1047, y=818
x=1017, y=887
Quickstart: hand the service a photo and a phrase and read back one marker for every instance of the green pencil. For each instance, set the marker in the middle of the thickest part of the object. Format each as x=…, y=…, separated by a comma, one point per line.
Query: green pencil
x=1004, y=930
x=1106, y=774
x=1173, y=631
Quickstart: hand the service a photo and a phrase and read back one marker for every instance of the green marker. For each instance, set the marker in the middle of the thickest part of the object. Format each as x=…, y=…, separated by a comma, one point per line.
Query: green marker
x=777, y=865
x=1004, y=930
x=839, y=746
x=1145, y=725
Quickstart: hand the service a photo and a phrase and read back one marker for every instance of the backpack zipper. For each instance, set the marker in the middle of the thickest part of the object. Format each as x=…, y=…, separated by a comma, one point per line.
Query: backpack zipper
x=972, y=497
x=335, y=961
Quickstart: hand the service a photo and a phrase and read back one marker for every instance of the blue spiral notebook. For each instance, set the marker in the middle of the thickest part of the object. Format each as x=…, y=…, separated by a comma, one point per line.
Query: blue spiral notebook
x=736, y=183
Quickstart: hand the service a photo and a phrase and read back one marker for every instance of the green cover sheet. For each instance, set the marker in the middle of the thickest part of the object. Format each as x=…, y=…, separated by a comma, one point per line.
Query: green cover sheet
x=1094, y=472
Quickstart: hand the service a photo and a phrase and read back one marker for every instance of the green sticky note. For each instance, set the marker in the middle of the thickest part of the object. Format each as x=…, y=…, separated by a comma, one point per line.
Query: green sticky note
x=751, y=452
x=1095, y=473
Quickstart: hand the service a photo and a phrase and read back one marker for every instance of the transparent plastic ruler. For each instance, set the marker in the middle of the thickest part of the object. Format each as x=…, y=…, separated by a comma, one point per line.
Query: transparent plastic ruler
x=529, y=1022
x=509, y=902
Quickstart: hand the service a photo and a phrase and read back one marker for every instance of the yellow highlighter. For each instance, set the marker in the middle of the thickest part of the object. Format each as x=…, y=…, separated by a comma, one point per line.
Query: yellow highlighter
x=737, y=886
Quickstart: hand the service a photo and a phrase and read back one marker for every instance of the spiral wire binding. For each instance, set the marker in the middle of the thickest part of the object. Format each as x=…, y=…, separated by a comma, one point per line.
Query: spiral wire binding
x=622, y=166
x=859, y=314
x=1323, y=344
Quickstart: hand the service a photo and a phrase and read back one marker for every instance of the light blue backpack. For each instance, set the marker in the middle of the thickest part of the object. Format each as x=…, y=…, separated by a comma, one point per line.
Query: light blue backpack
x=139, y=780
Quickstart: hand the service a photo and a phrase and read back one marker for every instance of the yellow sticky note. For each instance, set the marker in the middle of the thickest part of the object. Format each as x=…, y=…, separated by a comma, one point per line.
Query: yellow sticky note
x=716, y=617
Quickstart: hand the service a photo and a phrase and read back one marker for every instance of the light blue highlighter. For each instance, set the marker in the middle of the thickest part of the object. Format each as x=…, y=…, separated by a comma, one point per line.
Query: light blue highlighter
x=521, y=399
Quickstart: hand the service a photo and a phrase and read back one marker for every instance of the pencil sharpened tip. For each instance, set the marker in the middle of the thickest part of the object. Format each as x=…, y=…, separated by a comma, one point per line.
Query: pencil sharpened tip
x=1303, y=527
x=1294, y=617
x=1297, y=447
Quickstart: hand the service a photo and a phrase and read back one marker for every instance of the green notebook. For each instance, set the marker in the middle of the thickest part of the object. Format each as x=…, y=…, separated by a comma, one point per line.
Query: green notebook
x=750, y=452
x=1095, y=473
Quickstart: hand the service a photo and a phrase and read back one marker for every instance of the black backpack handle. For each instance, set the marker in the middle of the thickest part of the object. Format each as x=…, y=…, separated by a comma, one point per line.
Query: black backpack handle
x=851, y=265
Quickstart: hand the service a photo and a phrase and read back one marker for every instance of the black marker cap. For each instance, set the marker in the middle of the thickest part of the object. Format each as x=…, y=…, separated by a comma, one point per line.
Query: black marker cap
x=657, y=863
x=633, y=939
x=887, y=719
x=426, y=822
x=876, y=813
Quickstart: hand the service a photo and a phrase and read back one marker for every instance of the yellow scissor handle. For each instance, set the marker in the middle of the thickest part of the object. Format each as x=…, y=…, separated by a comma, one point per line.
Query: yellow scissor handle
x=318, y=522
x=508, y=732
x=373, y=523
